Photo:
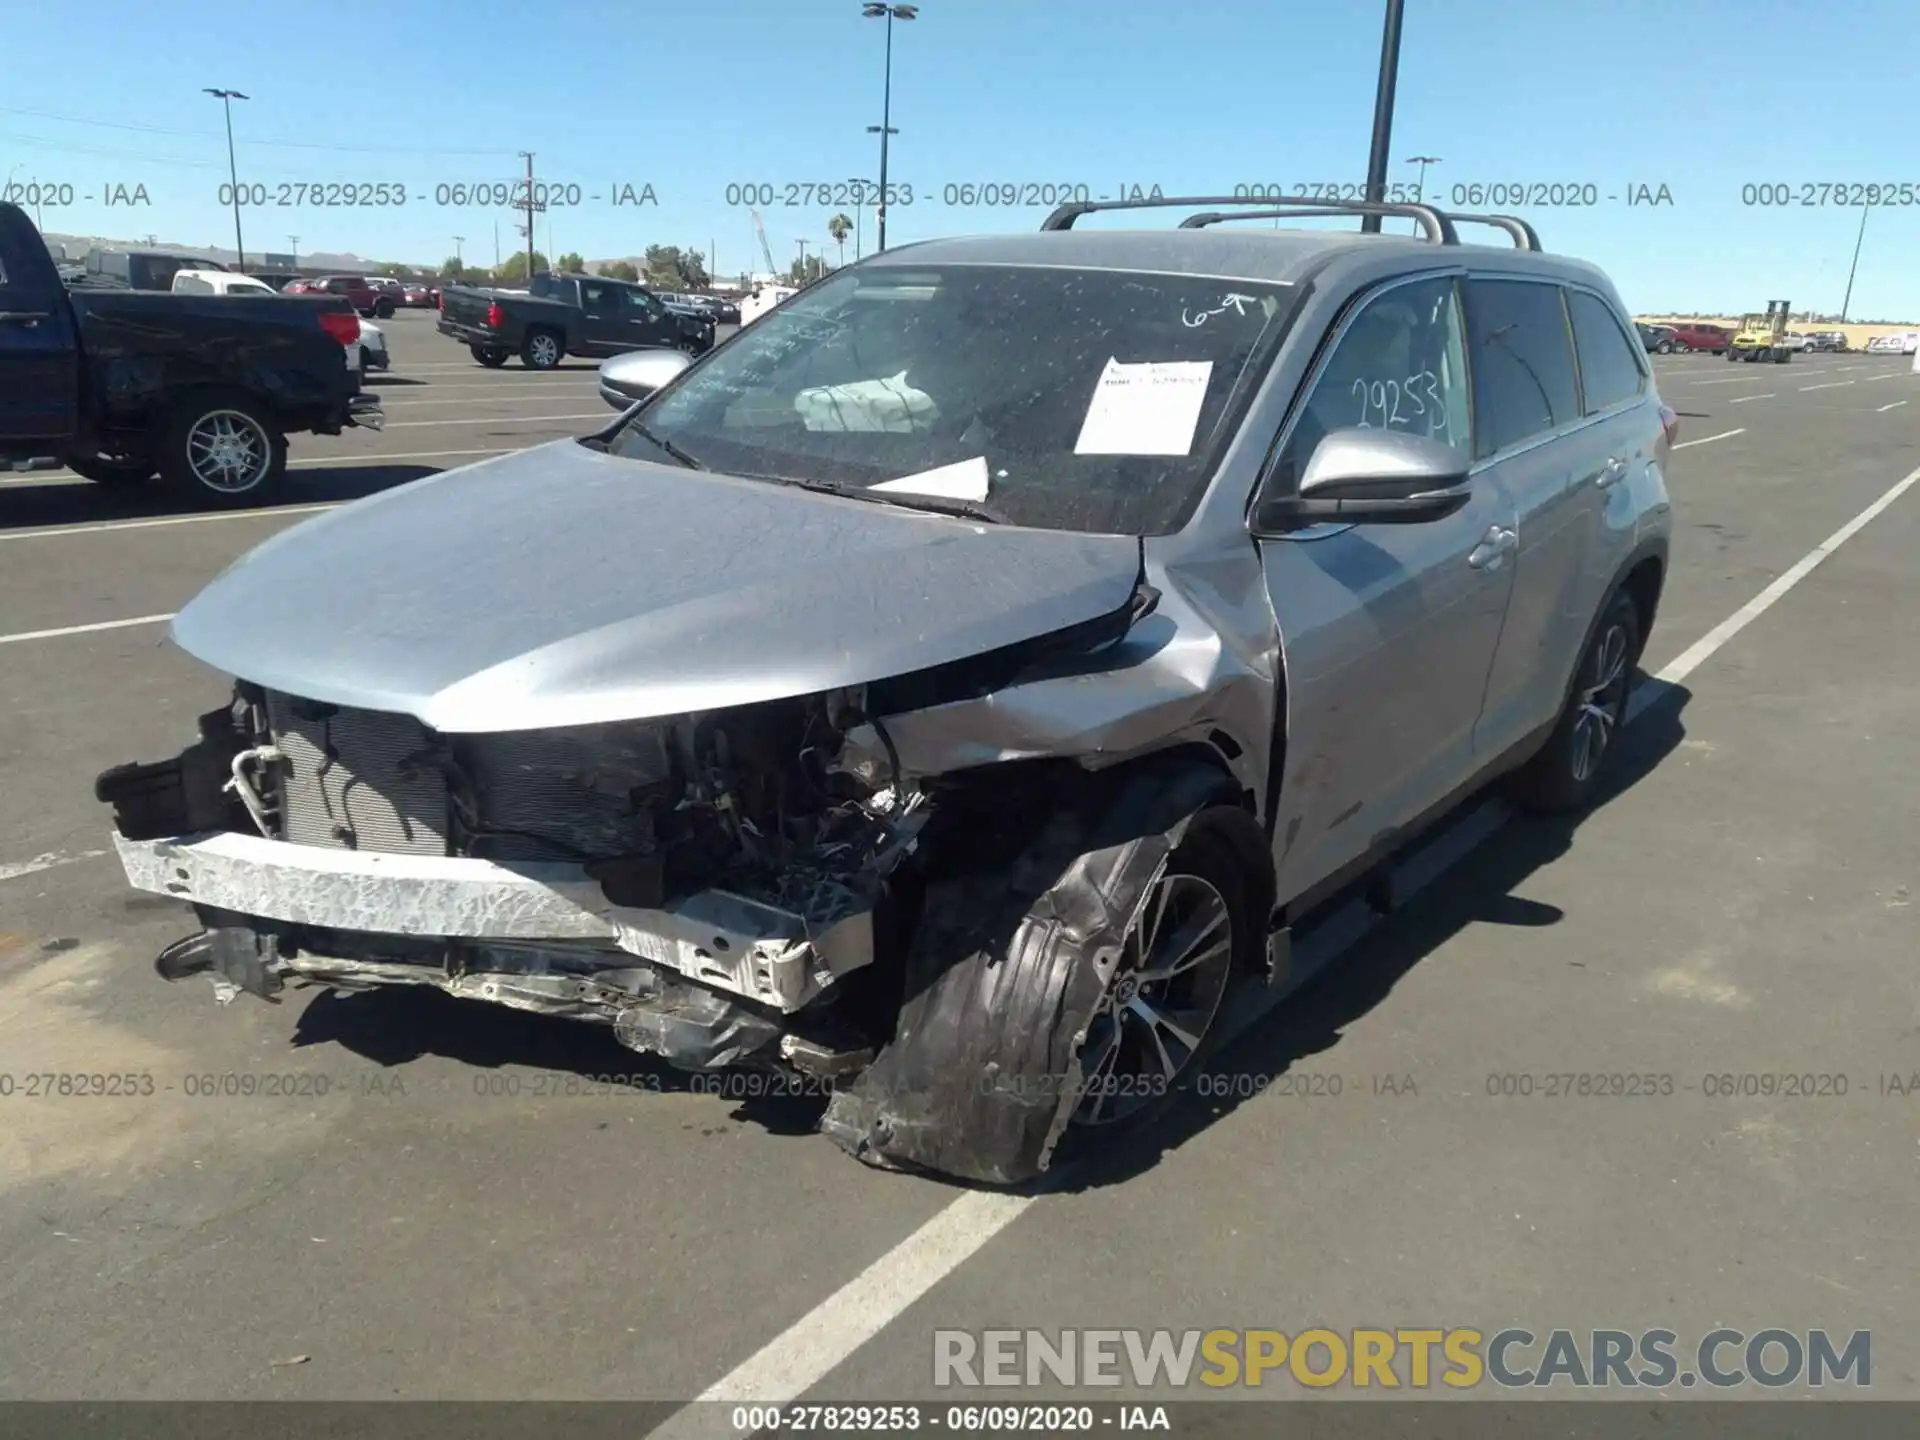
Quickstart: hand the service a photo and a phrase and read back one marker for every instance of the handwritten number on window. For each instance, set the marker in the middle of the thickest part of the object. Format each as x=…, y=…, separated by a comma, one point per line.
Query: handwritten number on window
x=1402, y=404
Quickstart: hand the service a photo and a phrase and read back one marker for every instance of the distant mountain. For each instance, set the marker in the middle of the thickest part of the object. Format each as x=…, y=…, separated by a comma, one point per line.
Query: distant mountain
x=77, y=246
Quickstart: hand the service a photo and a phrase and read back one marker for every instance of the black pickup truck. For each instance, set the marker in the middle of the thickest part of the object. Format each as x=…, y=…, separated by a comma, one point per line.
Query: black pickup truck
x=562, y=315
x=118, y=384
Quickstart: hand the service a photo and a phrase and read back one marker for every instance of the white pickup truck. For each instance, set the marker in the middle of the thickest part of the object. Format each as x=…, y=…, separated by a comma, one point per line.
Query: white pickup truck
x=369, y=352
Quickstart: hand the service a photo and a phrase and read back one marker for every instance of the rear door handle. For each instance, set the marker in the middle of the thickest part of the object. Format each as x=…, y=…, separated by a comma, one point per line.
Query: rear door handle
x=1611, y=474
x=22, y=317
x=1494, y=547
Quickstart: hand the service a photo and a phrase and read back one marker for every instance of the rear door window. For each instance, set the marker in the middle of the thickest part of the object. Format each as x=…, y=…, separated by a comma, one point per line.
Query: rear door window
x=1523, y=366
x=1610, y=369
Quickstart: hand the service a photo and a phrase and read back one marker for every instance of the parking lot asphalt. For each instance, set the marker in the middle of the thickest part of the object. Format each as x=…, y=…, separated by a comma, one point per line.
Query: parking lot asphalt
x=436, y=1210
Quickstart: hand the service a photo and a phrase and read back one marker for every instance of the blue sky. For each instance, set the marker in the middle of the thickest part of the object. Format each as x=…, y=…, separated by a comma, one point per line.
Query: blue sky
x=1195, y=97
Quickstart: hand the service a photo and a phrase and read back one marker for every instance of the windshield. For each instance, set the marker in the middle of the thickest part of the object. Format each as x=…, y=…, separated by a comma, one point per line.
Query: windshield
x=1090, y=400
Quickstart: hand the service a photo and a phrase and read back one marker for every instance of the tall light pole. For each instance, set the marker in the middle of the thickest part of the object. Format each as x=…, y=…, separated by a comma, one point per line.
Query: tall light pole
x=890, y=13
x=459, y=261
x=1383, y=114
x=226, y=99
x=1857, y=239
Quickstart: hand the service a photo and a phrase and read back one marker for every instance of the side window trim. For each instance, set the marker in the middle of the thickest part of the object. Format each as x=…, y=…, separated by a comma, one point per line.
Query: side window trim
x=1330, y=342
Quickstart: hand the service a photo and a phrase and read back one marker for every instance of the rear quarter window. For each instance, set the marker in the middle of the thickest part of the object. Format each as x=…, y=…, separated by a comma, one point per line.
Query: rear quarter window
x=1610, y=370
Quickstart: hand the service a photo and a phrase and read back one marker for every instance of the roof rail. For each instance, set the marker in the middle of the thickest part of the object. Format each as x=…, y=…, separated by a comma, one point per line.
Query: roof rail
x=1440, y=230
x=1435, y=222
x=1525, y=237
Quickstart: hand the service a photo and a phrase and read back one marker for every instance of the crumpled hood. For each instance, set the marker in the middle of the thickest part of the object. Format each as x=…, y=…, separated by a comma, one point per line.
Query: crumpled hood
x=560, y=586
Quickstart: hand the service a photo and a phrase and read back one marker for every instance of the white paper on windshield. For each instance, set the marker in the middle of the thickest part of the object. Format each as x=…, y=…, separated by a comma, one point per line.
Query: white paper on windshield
x=865, y=405
x=965, y=481
x=1150, y=408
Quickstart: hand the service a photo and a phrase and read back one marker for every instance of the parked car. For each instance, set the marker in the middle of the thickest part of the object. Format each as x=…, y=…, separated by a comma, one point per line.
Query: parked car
x=894, y=697
x=118, y=384
x=372, y=301
x=1692, y=335
x=758, y=302
x=1658, y=339
x=419, y=295
x=277, y=280
x=1829, y=341
x=115, y=269
x=1798, y=341
x=561, y=315
x=1894, y=344
x=218, y=282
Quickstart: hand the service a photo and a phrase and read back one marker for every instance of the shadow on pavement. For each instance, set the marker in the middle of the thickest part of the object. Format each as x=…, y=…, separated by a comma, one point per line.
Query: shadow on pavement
x=27, y=507
x=1478, y=890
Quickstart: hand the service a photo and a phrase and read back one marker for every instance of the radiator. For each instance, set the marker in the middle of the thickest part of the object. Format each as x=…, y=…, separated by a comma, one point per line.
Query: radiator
x=345, y=784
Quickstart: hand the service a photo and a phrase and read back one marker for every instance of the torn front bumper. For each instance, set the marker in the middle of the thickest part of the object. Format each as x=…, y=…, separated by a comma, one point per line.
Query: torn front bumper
x=714, y=938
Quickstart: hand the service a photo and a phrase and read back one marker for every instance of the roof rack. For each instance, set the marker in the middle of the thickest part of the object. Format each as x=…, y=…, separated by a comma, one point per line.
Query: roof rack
x=1525, y=237
x=1438, y=226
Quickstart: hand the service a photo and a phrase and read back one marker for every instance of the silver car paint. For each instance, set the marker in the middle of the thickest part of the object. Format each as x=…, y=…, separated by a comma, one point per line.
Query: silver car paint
x=1382, y=638
x=531, y=591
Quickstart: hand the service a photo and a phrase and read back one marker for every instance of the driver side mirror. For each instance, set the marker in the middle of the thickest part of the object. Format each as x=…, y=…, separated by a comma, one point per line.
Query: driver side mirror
x=627, y=379
x=1369, y=476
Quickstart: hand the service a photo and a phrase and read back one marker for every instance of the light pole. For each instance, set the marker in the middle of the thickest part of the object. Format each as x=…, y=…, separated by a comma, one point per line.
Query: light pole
x=1383, y=115
x=459, y=261
x=226, y=99
x=1420, y=185
x=294, y=240
x=890, y=13
x=1857, y=239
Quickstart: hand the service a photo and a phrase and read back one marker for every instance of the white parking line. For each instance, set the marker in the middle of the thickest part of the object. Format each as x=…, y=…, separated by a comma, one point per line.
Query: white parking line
x=1709, y=439
x=83, y=629
x=1881, y=410
x=1742, y=399
x=1732, y=380
x=47, y=532
x=1830, y=385
x=49, y=861
x=318, y=462
x=1896, y=375
x=805, y=1353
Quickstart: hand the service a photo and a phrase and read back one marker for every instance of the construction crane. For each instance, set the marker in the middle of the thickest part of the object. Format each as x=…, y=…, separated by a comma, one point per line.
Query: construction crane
x=766, y=250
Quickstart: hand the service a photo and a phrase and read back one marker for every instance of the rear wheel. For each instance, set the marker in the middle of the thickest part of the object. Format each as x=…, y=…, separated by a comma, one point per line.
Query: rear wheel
x=1564, y=775
x=490, y=356
x=383, y=310
x=542, y=350
x=223, y=449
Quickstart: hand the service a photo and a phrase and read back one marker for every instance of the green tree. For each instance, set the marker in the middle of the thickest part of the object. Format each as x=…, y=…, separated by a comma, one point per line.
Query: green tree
x=514, y=267
x=572, y=261
x=838, y=228
x=620, y=270
x=805, y=272
x=668, y=267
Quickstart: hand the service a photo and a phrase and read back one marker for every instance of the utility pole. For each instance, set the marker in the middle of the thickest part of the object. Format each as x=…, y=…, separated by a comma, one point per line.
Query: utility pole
x=889, y=13
x=459, y=262
x=1420, y=185
x=1383, y=115
x=496, y=247
x=294, y=240
x=1852, y=269
x=226, y=99
x=531, y=205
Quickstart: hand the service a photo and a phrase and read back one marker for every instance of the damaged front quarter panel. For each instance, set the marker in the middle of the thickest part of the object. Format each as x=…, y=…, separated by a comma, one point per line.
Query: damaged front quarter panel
x=1201, y=666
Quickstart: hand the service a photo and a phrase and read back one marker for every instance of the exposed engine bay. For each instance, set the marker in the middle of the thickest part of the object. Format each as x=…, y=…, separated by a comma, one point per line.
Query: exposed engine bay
x=719, y=846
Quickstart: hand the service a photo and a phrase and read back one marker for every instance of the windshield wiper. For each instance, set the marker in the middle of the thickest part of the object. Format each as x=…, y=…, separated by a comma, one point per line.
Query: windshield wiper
x=905, y=499
x=639, y=427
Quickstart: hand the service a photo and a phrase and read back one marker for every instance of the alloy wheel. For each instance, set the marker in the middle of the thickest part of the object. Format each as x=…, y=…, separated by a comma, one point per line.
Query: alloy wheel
x=1603, y=693
x=544, y=351
x=228, y=451
x=1163, y=998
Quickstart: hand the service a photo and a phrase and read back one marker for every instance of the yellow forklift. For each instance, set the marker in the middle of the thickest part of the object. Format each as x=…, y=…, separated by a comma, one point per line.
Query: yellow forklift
x=1763, y=337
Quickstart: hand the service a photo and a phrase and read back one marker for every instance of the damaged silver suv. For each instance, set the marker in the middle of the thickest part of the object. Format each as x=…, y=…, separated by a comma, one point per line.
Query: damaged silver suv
x=952, y=686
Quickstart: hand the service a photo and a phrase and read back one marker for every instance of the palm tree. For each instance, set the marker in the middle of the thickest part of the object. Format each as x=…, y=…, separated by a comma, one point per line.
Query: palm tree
x=838, y=228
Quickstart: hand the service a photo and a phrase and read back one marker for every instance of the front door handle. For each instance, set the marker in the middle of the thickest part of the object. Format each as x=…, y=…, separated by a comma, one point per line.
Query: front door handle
x=1493, y=549
x=22, y=317
x=1611, y=474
